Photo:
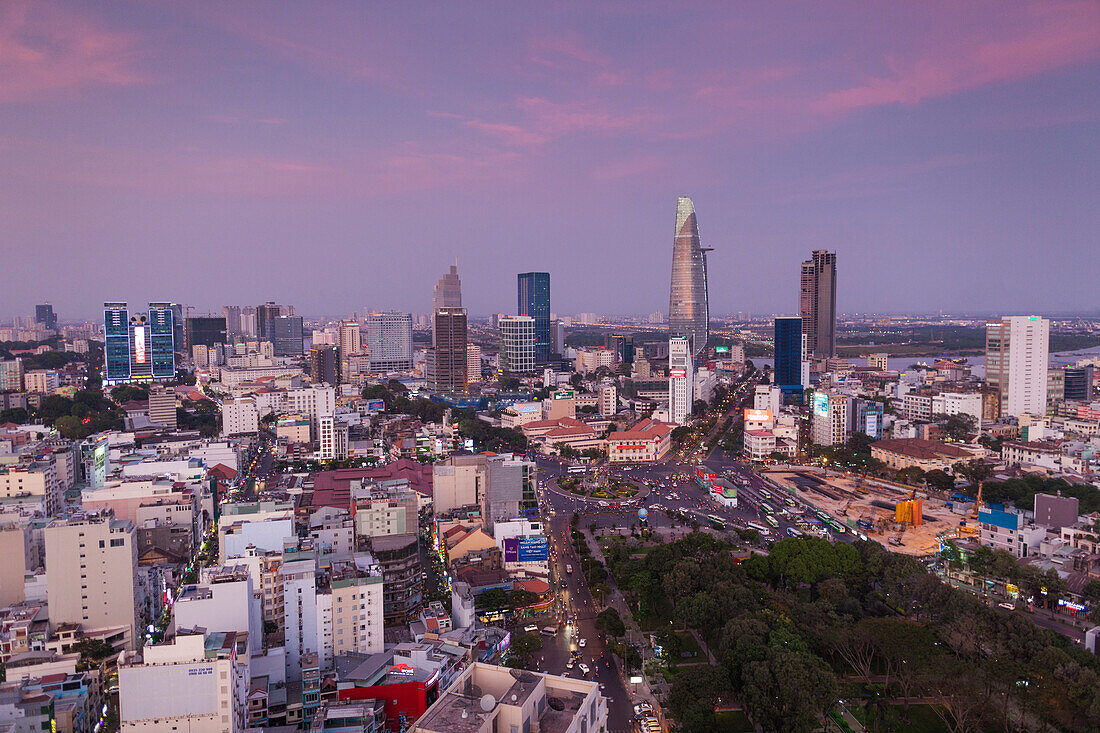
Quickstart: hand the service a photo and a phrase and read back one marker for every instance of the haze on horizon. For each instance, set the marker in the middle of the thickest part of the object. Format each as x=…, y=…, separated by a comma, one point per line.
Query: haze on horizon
x=341, y=156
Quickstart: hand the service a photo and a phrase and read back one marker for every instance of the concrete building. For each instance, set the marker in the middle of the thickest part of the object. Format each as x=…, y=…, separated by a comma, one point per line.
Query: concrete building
x=517, y=344
x=91, y=574
x=333, y=438
x=487, y=699
x=447, y=359
x=13, y=564
x=768, y=397
x=222, y=601
x=473, y=364
x=34, y=483
x=959, y=403
x=927, y=455
x=11, y=375
x=194, y=682
x=1056, y=512
x=162, y=407
x=351, y=614
x=325, y=366
x=533, y=299
x=389, y=341
x=647, y=442
x=240, y=417
x=1016, y=361
x=681, y=380
x=608, y=399
x=879, y=362
x=42, y=381
x=829, y=421
x=1009, y=531
x=588, y=360
x=818, y=304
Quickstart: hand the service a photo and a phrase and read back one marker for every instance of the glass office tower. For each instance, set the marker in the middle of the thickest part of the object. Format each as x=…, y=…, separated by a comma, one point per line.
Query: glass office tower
x=534, y=300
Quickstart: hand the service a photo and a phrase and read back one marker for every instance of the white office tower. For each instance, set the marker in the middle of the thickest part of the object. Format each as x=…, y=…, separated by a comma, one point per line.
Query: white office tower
x=195, y=682
x=681, y=380
x=1017, y=355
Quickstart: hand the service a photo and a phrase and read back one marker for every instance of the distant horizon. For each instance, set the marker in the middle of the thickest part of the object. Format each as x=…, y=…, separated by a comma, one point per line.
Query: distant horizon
x=1060, y=315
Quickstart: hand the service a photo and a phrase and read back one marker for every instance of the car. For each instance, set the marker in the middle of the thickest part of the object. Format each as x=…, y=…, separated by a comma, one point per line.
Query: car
x=583, y=668
x=582, y=643
x=642, y=707
x=530, y=628
x=570, y=664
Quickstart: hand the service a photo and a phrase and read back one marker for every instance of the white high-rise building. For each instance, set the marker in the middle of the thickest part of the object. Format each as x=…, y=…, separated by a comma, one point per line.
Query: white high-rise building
x=1017, y=356
x=333, y=438
x=681, y=380
x=389, y=341
x=297, y=578
x=240, y=417
x=517, y=344
x=91, y=573
x=830, y=419
x=473, y=364
x=768, y=397
x=608, y=399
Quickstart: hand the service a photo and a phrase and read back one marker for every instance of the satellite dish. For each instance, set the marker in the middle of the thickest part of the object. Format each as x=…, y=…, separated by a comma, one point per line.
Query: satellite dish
x=488, y=702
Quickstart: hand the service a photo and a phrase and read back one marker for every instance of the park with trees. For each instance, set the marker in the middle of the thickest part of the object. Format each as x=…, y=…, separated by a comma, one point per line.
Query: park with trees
x=811, y=623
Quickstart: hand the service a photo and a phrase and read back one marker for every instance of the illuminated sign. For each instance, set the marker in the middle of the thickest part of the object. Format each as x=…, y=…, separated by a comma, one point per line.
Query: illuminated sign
x=721, y=349
x=563, y=395
x=677, y=373
x=139, y=345
x=402, y=669
x=1070, y=605
x=872, y=426
x=752, y=415
x=526, y=408
x=526, y=549
x=821, y=404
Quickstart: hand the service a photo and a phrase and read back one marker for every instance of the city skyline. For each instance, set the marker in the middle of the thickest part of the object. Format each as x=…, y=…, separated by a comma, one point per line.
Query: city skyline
x=949, y=143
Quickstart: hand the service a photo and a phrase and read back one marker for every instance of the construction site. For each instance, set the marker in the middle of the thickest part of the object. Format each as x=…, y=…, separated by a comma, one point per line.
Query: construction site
x=896, y=516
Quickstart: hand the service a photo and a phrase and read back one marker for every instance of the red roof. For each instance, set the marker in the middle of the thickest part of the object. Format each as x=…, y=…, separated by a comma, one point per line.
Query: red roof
x=223, y=472
x=333, y=488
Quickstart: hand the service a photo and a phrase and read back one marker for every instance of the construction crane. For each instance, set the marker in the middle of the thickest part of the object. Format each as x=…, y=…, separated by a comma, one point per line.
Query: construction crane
x=978, y=501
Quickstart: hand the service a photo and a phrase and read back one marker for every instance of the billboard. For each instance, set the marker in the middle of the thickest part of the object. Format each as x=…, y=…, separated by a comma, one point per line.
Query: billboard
x=721, y=349
x=752, y=415
x=564, y=394
x=376, y=406
x=821, y=404
x=526, y=549
x=872, y=425
x=677, y=373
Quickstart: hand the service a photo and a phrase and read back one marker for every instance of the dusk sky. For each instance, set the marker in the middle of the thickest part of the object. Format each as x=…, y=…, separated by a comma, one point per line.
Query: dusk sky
x=339, y=156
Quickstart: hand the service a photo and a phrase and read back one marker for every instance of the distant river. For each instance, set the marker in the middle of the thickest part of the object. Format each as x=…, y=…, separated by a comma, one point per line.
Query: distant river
x=977, y=363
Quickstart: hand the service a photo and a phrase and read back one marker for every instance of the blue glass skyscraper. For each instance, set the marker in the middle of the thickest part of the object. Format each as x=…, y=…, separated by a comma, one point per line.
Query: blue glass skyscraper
x=116, y=341
x=534, y=300
x=787, y=371
x=162, y=353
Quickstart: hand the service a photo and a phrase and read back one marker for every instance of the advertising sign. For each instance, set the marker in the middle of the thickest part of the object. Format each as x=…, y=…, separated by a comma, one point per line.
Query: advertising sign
x=752, y=415
x=721, y=349
x=821, y=404
x=564, y=394
x=677, y=373
x=872, y=425
x=533, y=549
x=139, y=345
x=376, y=405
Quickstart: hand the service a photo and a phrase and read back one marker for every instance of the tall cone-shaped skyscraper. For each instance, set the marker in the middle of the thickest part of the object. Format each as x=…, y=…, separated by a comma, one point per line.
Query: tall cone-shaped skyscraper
x=688, y=311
